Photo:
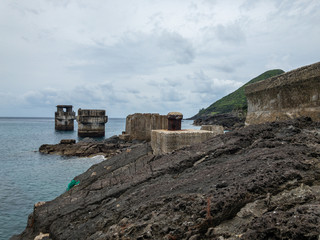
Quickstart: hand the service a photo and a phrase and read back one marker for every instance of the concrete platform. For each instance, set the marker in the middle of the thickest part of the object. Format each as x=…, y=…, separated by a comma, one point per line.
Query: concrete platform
x=165, y=141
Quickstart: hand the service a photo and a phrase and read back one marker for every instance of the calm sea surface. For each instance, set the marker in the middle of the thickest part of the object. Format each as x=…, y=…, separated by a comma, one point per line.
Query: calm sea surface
x=27, y=177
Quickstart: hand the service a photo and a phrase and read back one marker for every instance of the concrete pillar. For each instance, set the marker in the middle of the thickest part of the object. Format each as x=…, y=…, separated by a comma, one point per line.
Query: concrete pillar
x=174, y=121
x=64, y=120
x=140, y=125
x=91, y=122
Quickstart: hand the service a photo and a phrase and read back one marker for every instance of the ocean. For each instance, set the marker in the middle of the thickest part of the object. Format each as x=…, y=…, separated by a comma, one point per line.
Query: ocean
x=28, y=177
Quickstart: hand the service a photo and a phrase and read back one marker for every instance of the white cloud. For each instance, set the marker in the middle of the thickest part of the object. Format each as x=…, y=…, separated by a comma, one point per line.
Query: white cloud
x=145, y=56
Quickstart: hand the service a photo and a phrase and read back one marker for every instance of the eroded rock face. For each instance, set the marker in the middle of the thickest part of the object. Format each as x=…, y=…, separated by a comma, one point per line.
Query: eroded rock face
x=260, y=182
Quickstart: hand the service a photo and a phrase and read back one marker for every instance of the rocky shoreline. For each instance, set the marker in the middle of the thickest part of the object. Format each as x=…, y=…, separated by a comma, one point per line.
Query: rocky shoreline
x=88, y=147
x=229, y=121
x=257, y=182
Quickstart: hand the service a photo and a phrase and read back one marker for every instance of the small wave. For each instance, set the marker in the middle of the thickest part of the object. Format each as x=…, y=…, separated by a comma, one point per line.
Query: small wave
x=98, y=157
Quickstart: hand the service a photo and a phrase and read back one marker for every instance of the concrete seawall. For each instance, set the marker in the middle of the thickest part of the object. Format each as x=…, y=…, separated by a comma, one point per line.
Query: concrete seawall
x=287, y=96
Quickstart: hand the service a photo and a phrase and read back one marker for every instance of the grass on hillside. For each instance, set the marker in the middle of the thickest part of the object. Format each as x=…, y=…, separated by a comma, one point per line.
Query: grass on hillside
x=237, y=99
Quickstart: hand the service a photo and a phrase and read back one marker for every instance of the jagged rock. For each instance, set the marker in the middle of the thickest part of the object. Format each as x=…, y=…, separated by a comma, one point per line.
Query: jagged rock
x=68, y=141
x=228, y=120
x=259, y=182
x=88, y=147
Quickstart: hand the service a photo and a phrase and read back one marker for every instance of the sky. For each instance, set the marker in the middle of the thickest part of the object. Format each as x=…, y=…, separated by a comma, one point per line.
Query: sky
x=143, y=56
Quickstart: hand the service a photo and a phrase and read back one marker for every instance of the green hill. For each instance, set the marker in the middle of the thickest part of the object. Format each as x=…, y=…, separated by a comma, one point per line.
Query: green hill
x=235, y=100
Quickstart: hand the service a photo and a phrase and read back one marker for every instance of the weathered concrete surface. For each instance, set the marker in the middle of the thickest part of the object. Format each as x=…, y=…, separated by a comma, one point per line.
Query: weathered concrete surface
x=64, y=120
x=165, y=141
x=139, y=125
x=91, y=122
x=260, y=182
x=174, y=120
x=216, y=129
x=287, y=96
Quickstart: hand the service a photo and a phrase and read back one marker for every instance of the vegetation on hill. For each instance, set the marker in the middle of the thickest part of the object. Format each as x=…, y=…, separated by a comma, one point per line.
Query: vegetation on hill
x=235, y=101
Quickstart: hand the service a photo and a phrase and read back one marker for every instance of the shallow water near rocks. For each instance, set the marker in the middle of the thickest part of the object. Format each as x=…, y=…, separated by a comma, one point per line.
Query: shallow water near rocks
x=27, y=177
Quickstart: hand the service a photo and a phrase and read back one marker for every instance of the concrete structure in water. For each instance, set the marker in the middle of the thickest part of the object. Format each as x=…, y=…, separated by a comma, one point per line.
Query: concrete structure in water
x=287, y=96
x=170, y=139
x=64, y=118
x=140, y=125
x=91, y=122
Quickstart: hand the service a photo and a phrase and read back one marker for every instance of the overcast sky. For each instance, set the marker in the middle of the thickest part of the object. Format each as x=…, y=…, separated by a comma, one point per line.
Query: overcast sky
x=128, y=56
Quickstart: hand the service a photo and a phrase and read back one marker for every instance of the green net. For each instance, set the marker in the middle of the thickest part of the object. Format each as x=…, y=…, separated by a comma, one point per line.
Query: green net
x=72, y=184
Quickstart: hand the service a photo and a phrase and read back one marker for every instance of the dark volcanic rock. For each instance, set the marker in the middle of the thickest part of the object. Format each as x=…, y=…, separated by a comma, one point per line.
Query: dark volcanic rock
x=259, y=182
x=228, y=120
x=87, y=147
x=68, y=141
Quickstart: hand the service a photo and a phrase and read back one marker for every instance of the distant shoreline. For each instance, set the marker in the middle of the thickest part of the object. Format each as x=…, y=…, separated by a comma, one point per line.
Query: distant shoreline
x=43, y=118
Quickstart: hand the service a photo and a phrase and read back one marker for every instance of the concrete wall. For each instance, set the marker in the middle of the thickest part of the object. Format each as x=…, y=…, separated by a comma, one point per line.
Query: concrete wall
x=64, y=120
x=289, y=95
x=91, y=122
x=165, y=141
x=139, y=125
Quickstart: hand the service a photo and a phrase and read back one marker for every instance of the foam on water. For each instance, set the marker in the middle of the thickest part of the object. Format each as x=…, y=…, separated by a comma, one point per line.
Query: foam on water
x=98, y=157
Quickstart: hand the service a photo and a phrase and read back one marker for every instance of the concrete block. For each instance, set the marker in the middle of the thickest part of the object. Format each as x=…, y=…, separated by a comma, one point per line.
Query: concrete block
x=174, y=120
x=165, y=141
x=140, y=125
x=216, y=129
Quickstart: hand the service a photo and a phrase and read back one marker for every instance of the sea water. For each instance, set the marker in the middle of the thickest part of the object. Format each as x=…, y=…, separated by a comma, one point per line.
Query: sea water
x=28, y=177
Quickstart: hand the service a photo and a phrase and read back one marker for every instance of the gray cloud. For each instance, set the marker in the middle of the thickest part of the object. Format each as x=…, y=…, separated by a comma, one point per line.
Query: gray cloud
x=230, y=33
x=212, y=88
x=134, y=53
x=180, y=49
x=145, y=56
x=171, y=95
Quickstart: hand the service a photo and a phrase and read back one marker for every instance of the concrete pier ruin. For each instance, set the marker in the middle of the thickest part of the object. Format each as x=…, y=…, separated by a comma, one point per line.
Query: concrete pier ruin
x=91, y=122
x=64, y=118
x=290, y=95
x=140, y=125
